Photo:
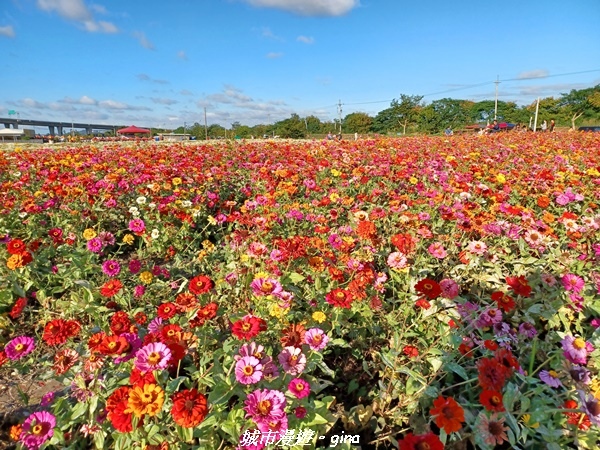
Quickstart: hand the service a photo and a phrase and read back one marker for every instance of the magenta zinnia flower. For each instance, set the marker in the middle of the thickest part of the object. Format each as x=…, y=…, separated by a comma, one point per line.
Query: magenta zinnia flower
x=299, y=388
x=437, y=250
x=316, y=339
x=154, y=356
x=265, y=286
x=137, y=226
x=19, y=347
x=576, y=349
x=450, y=288
x=248, y=370
x=572, y=282
x=37, y=429
x=265, y=405
x=292, y=360
x=94, y=245
x=111, y=268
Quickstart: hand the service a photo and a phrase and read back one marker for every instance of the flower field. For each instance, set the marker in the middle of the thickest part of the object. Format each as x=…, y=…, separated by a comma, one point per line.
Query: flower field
x=415, y=293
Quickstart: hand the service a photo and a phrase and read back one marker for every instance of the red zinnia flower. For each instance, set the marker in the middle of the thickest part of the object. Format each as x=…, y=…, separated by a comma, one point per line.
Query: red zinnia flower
x=429, y=288
x=17, y=308
x=120, y=323
x=206, y=313
x=200, y=284
x=492, y=374
x=427, y=441
x=113, y=345
x=507, y=359
x=423, y=304
x=340, y=298
x=111, y=288
x=248, y=327
x=116, y=405
x=405, y=243
x=15, y=246
x=293, y=336
x=56, y=332
x=411, y=351
x=166, y=311
x=519, y=285
x=491, y=400
x=505, y=302
x=189, y=408
x=140, y=318
x=139, y=378
x=448, y=414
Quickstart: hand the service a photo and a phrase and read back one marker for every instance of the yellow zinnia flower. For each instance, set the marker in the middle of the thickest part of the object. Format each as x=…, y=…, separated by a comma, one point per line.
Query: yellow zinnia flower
x=128, y=239
x=146, y=277
x=89, y=234
x=319, y=316
x=145, y=400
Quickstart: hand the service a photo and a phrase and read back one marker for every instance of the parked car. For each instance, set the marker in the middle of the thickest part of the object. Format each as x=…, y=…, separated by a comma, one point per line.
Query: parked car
x=593, y=129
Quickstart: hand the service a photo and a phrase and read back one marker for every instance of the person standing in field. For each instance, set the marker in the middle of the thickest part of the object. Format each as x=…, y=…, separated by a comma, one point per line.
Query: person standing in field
x=544, y=126
x=552, y=125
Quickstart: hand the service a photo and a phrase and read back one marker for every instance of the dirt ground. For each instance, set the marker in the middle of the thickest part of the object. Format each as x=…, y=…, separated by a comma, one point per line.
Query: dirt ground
x=19, y=396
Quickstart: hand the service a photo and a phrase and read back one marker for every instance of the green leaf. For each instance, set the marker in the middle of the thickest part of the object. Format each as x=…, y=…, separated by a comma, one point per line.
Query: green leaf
x=6, y=298
x=79, y=410
x=457, y=369
x=99, y=439
x=326, y=369
x=296, y=277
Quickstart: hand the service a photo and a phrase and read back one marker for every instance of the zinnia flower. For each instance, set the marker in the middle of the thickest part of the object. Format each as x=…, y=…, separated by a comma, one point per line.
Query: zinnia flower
x=116, y=406
x=299, y=388
x=19, y=347
x=189, y=408
x=316, y=339
x=491, y=400
x=154, y=356
x=550, y=378
x=437, y=250
x=450, y=288
x=248, y=327
x=265, y=286
x=137, y=226
x=248, y=370
x=200, y=284
x=429, y=288
x=111, y=268
x=292, y=360
x=572, y=283
x=428, y=441
x=576, y=349
x=145, y=400
x=264, y=405
x=37, y=429
x=448, y=414
x=492, y=431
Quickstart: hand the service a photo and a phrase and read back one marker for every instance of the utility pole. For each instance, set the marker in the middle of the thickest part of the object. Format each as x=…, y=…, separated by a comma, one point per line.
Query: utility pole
x=497, y=82
x=205, y=126
x=340, y=114
x=537, y=108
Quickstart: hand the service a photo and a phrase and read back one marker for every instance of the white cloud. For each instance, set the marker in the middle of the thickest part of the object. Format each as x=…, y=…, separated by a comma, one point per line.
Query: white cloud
x=163, y=101
x=120, y=106
x=83, y=100
x=143, y=40
x=7, y=31
x=77, y=11
x=309, y=7
x=274, y=55
x=539, y=73
x=144, y=77
x=267, y=33
x=306, y=39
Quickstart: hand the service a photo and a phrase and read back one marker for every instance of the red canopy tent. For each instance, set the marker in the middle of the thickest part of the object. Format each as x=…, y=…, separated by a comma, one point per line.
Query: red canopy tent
x=134, y=130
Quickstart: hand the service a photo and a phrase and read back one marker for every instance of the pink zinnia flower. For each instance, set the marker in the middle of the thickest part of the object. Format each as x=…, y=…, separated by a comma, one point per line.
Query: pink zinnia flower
x=248, y=370
x=292, y=360
x=273, y=430
x=265, y=405
x=437, y=250
x=299, y=388
x=477, y=247
x=37, y=429
x=137, y=226
x=135, y=266
x=548, y=279
x=572, y=283
x=265, y=286
x=19, y=347
x=316, y=339
x=154, y=356
x=139, y=291
x=111, y=268
x=576, y=349
x=397, y=260
x=450, y=288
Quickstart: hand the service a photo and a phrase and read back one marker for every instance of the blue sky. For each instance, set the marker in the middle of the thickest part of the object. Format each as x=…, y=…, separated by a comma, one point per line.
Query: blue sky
x=160, y=63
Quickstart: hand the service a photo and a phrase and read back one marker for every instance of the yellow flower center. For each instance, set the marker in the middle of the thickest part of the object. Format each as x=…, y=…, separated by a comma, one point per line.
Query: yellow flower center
x=19, y=347
x=264, y=407
x=579, y=343
x=37, y=429
x=553, y=374
x=267, y=286
x=248, y=370
x=154, y=358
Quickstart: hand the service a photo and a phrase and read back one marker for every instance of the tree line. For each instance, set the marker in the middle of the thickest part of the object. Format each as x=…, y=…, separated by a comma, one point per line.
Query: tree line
x=410, y=114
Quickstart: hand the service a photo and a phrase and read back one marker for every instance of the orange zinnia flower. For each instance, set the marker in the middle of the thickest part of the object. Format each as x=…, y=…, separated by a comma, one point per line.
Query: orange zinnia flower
x=145, y=400
x=448, y=414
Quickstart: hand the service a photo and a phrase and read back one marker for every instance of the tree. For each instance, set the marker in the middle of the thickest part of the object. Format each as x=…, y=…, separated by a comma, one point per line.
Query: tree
x=443, y=113
x=357, y=122
x=581, y=102
x=507, y=112
x=313, y=125
x=292, y=128
x=216, y=131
